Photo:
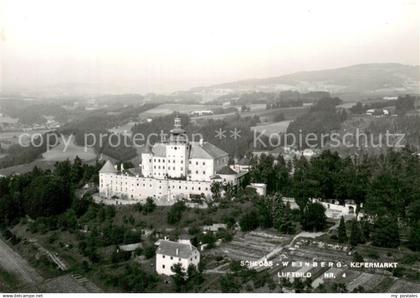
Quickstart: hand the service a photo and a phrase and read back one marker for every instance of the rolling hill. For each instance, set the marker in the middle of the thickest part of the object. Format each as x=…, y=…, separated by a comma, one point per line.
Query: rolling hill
x=367, y=79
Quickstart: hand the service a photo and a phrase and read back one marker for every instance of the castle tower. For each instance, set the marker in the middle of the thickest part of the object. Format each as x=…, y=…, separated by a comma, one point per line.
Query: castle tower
x=177, y=151
x=147, y=162
x=178, y=133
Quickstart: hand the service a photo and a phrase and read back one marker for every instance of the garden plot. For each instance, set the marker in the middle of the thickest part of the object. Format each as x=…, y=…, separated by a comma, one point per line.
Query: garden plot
x=367, y=280
x=402, y=286
x=334, y=272
x=251, y=246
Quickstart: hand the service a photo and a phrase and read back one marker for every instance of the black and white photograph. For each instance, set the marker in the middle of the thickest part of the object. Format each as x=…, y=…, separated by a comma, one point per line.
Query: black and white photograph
x=206, y=146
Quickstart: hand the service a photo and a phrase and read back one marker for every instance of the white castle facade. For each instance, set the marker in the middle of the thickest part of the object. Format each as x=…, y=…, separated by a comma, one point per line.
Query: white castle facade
x=169, y=171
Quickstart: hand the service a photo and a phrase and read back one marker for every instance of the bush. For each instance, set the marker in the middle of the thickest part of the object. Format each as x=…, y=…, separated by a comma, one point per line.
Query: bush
x=149, y=252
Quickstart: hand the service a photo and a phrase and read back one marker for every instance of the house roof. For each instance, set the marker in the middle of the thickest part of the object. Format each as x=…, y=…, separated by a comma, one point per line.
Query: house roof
x=131, y=247
x=244, y=161
x=226, y=170
x=206, y=151
x=175, y=249
x=108, y=168
x=184, y=237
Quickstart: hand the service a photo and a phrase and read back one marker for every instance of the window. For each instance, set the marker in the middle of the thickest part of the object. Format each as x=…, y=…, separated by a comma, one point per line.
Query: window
x=163, y=256
x=204, y=163
x=172, y=258
x=204, y=172
x=196, y=163
x=182, y=161
x=163, y=266
x=196, y=172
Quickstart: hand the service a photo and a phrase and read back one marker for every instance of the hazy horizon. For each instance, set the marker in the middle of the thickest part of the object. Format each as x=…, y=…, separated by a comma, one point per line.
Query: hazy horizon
x=164, y=46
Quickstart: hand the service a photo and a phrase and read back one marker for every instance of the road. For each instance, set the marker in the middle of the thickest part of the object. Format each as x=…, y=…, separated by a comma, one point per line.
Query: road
x=14, y=263
x=32, y=281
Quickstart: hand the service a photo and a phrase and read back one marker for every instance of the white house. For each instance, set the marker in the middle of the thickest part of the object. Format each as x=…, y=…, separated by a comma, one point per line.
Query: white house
x=260, y=188
x=170, y=253
x=243, y=165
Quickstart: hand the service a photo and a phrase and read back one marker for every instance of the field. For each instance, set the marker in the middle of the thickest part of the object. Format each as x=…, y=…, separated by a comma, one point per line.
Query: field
x=272, y=128
x=8, y=120
x=63, y=152
x=123, y=129
x=12, y=137
x=21, y=169
x=166, y=109
x=268, y=115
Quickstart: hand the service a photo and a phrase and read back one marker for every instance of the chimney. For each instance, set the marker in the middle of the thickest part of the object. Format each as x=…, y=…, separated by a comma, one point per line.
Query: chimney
x=177, y=251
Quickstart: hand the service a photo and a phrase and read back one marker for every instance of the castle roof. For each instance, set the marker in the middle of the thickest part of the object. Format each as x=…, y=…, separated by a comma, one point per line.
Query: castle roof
x=147, y=149
x=226, y=170
x=175, y=249
x=108, y=168
x=206, y=151
x=244, y=161
x=159, y=150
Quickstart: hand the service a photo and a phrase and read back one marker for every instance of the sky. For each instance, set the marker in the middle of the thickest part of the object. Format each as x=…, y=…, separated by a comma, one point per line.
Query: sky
x=167, y=45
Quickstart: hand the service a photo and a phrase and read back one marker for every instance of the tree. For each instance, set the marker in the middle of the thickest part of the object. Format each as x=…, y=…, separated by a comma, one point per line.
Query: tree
x=216, y=189
x=179, y=277
x=302, y=185
x=385, y=232
x=314, y=218
x=229, y=284
x=194, y=276
x=175, y=212
x=342, y=232
x=357, y=257
x=47, y=195
x=249, y=221
x=150, y=206
x=355, y=233
x=365, y=231
x=414, y=237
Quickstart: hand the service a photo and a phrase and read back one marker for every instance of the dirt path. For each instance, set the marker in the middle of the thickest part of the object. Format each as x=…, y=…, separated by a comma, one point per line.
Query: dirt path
x=13, y=262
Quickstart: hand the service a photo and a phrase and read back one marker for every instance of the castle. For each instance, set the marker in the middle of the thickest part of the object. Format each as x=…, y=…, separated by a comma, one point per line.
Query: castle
x=169, y=171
